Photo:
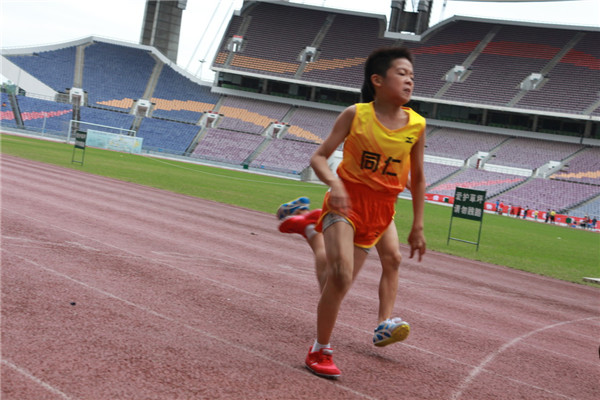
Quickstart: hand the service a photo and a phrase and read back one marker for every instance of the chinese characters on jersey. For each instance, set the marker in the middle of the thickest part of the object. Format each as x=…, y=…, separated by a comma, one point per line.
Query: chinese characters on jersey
x=371, y=161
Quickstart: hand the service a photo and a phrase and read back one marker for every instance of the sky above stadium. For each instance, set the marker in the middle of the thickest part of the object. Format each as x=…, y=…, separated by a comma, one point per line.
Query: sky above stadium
x=39, y=22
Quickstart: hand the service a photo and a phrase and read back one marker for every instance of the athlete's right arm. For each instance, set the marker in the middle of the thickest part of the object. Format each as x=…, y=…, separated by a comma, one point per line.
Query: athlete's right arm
x=341, y=128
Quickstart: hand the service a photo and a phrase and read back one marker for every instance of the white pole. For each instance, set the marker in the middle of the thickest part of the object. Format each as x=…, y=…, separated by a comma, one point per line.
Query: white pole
x=443, y=10
x=202, y=37
x=70, y=129
x=44, y=123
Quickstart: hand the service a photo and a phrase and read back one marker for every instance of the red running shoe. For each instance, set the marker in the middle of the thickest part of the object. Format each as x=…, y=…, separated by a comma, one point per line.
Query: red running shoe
x=321, y=363
x=298, y=223
x=313, y=216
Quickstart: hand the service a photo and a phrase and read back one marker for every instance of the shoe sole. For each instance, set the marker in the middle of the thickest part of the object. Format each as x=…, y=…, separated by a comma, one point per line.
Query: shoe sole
x=295, y=204
x=320, y=374
x=399, y=334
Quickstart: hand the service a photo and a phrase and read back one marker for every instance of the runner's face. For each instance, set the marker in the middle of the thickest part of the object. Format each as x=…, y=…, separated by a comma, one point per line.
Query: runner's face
x=399, y=80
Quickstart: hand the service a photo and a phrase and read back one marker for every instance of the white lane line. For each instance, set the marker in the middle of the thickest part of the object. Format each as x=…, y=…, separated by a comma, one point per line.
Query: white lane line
x=24, y=241
x=481, y=367
x=186, y=326
x=460, y=389
x=30, y=376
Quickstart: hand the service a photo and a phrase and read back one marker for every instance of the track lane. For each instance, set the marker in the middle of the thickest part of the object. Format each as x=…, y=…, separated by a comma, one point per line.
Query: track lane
x=206, y=267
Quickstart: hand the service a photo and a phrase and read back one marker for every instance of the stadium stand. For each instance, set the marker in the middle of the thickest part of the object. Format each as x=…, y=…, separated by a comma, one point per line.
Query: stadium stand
x=342, y=64
x=529, y=50
x=532, y=153
x=492, y=182
x=166, y=136
x=273, y=42
x=441, y=50
x=460, y=143
x=178, y=98
x=106, y=117
x=233, y=29
x=45, y=115
x=285, y=156
x=573, y=84
x=548, y=194
x=248, y=115
x=584, y=167
x=513, y=54
x=436, y=172
x=589, y=209
x=310, y=124
x=7, y=116
x=114, y=75
x=226, y=146
x=55, y=68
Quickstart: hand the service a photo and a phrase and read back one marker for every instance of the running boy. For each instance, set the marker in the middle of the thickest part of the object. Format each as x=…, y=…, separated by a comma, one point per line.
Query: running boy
x=383, y=143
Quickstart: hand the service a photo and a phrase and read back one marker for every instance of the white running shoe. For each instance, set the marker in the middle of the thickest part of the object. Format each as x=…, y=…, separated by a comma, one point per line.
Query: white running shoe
x=287, y=209
x=391, y=331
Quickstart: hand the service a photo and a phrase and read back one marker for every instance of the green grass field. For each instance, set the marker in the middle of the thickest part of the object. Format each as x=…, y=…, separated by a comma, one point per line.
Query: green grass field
x=559, y=252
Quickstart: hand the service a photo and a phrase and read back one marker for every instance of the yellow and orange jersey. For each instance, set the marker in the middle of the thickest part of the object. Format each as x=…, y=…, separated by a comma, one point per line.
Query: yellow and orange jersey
x=376, y=156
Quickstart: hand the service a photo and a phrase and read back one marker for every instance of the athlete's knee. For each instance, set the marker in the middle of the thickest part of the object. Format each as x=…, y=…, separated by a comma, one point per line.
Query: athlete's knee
x=391, y=259
x=340, y=275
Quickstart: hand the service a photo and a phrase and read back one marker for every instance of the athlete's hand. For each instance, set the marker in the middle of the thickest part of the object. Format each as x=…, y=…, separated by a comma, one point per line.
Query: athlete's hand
x=339, y=201
x=416, y=240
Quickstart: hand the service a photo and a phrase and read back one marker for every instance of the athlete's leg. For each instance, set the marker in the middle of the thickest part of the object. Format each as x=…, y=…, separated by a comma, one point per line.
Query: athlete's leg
x=389, y=253
x=317, y=245
x=389, y=330
x=342, y=258
x=302, y=221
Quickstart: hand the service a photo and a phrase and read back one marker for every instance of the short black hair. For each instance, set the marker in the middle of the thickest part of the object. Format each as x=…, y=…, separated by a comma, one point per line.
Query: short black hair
x=378, y=62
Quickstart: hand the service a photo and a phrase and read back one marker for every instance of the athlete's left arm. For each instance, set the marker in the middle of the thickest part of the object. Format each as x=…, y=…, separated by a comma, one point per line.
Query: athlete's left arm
x=416, y=238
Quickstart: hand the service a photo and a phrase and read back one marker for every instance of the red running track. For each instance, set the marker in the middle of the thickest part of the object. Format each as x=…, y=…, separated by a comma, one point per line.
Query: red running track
x=112, y=290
